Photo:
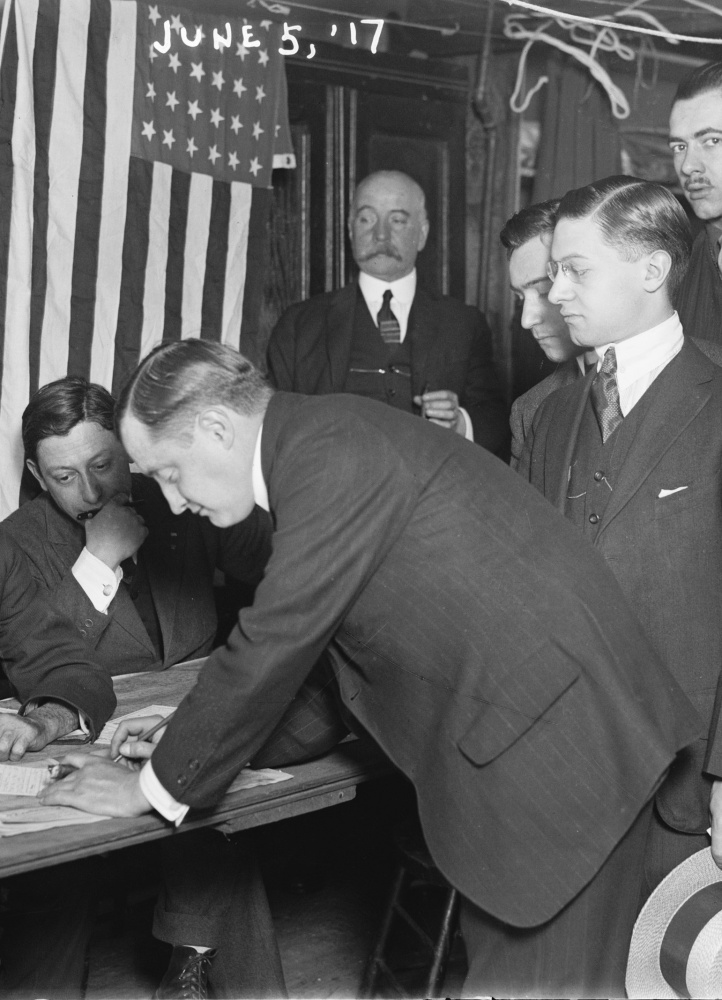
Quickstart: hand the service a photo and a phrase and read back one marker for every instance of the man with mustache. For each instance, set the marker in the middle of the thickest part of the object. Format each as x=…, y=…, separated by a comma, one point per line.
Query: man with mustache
x=695, y=138
x=387, y=338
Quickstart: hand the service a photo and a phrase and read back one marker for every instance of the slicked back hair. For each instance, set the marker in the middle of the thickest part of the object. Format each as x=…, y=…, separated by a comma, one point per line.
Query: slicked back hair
x=636, y=218
x=536, y=220
x=701, y=80
x=59, y=406
x=176, y=381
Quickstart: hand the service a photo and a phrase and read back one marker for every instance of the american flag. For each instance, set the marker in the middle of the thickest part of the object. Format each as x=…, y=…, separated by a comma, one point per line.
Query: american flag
x=133, y=187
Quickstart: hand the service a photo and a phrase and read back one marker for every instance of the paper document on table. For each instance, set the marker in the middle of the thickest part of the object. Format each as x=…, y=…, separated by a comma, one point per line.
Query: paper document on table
x=250, y=778
x=23, y=779
x=8, y=711
x=108, y=730
x=34, y=818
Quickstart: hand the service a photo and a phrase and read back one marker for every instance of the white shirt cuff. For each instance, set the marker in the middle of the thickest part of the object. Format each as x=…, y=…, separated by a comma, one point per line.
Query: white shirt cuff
x=99, y=581
x=468, y=430
x=161, y=800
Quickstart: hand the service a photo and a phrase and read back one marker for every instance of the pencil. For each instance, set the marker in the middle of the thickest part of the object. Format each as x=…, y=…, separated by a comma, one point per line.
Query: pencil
x=58, y=771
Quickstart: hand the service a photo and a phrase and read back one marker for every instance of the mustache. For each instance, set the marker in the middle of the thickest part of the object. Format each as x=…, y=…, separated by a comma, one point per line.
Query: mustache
x=383, y=250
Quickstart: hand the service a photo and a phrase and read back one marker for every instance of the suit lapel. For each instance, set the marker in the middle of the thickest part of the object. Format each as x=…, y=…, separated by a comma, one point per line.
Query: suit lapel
x=680, y=397
x=339, y=336
x=425, y=344
x=569, y=408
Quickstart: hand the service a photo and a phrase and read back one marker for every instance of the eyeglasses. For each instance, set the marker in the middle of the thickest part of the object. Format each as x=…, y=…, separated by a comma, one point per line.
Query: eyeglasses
x=575, y=274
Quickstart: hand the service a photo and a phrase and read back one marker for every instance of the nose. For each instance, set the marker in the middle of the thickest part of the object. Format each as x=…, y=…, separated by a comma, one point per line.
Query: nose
x=381, y=230
x=176, y=502
x=530, y=313
x=561, y=289
x=90, y=490
x=691, y=162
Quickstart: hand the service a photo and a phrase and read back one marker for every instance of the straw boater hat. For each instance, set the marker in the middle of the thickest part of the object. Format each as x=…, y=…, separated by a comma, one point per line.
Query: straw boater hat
x=676, y=946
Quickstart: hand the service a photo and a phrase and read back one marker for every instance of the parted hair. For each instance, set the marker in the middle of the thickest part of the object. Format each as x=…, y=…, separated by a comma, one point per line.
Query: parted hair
x=536, y=220
x=635, y=217
x=700, y=80
x=59, y=406
x=178, y=380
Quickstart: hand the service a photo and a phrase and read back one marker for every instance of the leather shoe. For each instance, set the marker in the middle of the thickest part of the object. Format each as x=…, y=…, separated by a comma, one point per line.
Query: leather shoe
x=186, y=977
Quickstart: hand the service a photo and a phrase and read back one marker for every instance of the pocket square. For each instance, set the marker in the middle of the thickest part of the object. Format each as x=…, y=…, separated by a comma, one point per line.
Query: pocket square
x=668, y=493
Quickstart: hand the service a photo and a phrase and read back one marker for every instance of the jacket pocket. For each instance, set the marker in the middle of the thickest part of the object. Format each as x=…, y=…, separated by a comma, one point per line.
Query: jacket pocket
x=517, y=701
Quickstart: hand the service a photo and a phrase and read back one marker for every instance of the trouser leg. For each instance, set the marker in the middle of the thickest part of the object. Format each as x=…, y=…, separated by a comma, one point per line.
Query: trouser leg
x=581, y=952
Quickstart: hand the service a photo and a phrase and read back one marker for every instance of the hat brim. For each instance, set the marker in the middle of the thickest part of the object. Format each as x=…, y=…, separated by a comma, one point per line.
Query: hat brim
x=644, y=976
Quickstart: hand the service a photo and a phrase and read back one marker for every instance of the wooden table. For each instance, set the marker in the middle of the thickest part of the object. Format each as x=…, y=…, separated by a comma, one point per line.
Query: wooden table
x=328, y=781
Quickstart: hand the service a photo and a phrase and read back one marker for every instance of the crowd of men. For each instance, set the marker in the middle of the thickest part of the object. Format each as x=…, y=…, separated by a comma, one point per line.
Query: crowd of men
x=547, y=680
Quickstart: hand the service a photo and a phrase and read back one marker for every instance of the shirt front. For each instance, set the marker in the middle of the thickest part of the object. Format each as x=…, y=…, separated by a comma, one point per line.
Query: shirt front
x=402, y=297
x=641, y=358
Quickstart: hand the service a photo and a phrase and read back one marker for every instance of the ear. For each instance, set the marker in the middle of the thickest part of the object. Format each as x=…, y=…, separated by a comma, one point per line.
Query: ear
x=656, y=270
x=215, y=422
x=424, y=235
x=36, y=472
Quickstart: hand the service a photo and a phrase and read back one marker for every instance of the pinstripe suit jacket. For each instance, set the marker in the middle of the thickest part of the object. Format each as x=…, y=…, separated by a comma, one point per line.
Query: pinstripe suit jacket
x=524, y=407
x=484, y=645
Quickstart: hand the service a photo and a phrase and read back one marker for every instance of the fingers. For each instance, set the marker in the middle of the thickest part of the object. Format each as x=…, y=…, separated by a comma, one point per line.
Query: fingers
x=133, y=728
x=440, y=406
x=17, y=736
x=715, y=811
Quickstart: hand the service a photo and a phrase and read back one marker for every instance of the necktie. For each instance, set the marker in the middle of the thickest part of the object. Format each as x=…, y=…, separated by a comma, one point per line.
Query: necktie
x=388, y=324
x=605, y=395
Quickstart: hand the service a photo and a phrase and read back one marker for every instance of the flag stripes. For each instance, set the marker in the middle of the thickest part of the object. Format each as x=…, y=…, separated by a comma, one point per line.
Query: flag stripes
x=102, y=254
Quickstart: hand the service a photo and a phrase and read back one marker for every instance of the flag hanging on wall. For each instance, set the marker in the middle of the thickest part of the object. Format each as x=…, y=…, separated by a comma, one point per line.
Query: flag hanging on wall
x=136, y=146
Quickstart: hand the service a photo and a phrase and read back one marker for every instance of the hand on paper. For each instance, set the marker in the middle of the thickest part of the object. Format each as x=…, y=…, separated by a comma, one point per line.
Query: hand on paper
x=97, y=786
x=126, y=737
x=18, y=734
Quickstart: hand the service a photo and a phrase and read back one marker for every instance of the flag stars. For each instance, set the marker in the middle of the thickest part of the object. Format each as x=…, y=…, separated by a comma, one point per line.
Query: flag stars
x=198, y=72
x=174, y=62
x=233, y=160
x=241, y=51
x=213, y=154
x=153, y=14
x=152, y=53
x=260, y=94
x=255, y=166
x=151, y=91
x=266, y=24
x=217, y=117
x=168, y=139
x=148, y=130
x=257, y=131
x=263, y=57
x=172, y=101
x=175, y=23
x=238, y=87
x=191, y=147
x=236, y=123
x=193, y=109
x=218, y=80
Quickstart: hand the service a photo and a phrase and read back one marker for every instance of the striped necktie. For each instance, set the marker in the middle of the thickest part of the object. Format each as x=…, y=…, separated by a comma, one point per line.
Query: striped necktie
x=605, y=395
x=388, y=324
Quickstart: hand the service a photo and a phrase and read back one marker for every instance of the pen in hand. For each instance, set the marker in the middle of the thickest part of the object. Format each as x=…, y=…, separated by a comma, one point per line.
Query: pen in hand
x=59, y=771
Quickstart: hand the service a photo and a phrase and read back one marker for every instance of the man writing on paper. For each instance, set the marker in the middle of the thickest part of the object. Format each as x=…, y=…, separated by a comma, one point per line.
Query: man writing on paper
x=485, y=647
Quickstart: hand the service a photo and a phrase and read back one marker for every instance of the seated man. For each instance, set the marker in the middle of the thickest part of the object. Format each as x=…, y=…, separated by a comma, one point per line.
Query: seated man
x=388, y=338
x=136, y=584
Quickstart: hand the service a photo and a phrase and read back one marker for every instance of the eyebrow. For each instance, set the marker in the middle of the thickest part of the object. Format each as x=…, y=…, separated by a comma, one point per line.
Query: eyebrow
x=699, y=134
x=531, y=283
x=71, y=468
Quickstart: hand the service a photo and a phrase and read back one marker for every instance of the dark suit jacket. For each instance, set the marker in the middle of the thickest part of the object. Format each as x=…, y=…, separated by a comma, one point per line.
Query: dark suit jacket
x=180, y=555
x=665, y=551
x=524, y=407
x=36, y=643
x=310, y=347
x=483, y=644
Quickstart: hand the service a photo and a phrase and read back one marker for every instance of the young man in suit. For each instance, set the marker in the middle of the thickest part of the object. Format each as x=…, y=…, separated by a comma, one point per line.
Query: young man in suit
x=485, y=647
x=527, y=238
x=387, y=338
x=695, y=138
x=135, y=586
x=632, y=453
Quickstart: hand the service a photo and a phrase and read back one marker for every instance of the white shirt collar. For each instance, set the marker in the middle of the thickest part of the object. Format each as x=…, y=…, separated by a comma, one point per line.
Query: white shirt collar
x=260, y=493
x=403, y=289
x=643, y=353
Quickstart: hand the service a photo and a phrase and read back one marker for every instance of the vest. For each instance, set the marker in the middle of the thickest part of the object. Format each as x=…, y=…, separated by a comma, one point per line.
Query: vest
x=596, y=466
x=378, y=370
x=699, y=300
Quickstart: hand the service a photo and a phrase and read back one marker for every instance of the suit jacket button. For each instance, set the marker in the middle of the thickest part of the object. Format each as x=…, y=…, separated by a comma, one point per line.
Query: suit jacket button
x=193, y=765
x=88, y=622
x=594, y=518
x=82, y=631
x=598, y=476
x=182, y=781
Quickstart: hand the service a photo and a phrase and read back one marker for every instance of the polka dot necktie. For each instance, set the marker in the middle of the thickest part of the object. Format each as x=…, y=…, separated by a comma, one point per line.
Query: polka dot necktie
x=605, y=395
x=388, y=324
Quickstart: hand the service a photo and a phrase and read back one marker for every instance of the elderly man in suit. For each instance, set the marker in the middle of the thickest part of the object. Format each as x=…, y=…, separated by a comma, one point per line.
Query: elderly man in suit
x=695, y=138
x=387, y=338
x=486, y=648
x=527, y=238
x=134, y=584
x=631, y=454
